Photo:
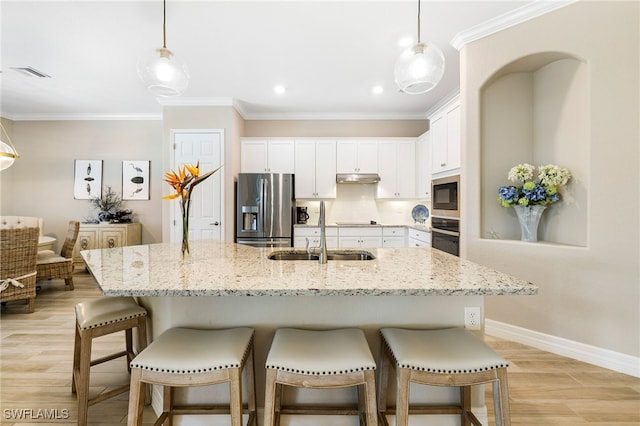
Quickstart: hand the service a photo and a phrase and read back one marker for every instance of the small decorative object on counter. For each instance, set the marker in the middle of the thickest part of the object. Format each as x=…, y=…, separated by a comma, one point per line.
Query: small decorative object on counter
x=108, y=205
x=183, y=182
x=532, y=196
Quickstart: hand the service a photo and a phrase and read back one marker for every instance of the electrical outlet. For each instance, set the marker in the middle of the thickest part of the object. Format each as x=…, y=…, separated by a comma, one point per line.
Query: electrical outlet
x=472, y=320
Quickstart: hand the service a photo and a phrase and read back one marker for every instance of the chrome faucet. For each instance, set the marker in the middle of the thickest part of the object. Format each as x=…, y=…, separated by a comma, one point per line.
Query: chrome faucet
x=322, y=223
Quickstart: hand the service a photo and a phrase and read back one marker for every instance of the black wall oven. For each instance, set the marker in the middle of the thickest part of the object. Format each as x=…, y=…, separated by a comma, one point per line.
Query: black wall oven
x=445, y=235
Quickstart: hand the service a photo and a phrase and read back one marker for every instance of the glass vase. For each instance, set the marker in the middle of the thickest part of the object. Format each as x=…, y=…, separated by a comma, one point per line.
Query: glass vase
x=529, y=218
x=184, y=208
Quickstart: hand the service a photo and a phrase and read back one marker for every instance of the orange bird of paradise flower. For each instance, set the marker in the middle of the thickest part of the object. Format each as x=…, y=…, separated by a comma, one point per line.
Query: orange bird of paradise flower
x=183, y=182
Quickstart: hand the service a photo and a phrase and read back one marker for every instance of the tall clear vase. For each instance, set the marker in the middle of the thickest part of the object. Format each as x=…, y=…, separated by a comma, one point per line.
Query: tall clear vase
x=529, y=218
x=184, y=207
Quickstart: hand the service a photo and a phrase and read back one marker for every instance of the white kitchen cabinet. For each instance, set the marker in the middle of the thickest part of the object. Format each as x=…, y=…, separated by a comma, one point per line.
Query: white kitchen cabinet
x=105, y=235
x=394, y=236
x=357, y=156
x=267, y=156
x=315, y=169
x=396, y=167
x=444, y=130
x=300, y=234
x=418, y=238
x=423, y=167
x=360, y=237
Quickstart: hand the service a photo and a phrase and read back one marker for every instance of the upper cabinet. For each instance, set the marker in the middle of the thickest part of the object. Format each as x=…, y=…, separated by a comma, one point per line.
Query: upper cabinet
x=444, y=130
x=423, y=167
x=315, y=169
x=357, y=156
x=267, y=156
x=396, y=167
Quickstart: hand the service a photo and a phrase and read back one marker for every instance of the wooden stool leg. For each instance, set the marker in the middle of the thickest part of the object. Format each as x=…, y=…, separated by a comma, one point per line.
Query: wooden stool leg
x=167, y=405
x=383, y=379
x=465, y=403
x=503, y=413
x=235, y=396
x=142, y=344
x=76, y=360
x=251, y=384
x=402, y=396
x=370, y=398
x=136, y=398
x=82, y=387
x=270, y=397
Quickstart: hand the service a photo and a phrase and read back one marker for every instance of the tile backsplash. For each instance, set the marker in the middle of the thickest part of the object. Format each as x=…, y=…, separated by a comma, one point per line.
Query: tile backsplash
x=357, y=203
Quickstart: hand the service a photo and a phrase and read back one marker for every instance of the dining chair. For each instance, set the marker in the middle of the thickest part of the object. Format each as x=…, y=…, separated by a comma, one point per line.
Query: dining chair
x=19, y=247
x=53, y=266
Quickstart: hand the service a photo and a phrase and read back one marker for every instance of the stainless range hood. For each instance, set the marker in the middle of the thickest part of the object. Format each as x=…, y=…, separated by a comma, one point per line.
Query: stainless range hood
x=357, y=178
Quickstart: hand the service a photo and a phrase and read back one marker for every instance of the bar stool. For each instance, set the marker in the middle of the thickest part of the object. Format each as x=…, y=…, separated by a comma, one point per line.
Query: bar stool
x=95, y=318
x=319, y=359
x=442, y=357
x=182, y=357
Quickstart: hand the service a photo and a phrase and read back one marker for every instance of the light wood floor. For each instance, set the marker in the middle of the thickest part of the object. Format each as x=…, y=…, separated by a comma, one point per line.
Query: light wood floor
x=36, y=356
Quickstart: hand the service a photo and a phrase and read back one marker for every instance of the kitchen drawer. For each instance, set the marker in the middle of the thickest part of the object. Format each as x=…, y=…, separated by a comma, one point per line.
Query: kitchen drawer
x=359, y=241
x=313, y=231
x=393, y=242
x=412, y=242
x=423, y=236
x=394, y=231
x=301, y=242
x=360, y=231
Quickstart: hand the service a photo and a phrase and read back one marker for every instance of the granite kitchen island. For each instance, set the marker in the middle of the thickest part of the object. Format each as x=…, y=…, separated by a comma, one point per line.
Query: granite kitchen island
x=225, y=285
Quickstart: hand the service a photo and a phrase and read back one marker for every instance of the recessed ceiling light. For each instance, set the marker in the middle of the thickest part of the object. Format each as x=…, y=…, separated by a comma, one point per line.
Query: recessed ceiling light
x=279, y=89
x=377, y=90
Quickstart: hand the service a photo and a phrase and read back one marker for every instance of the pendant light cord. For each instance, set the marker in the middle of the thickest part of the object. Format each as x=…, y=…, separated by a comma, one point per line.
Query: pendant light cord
x=164, y=24
x=418, y=21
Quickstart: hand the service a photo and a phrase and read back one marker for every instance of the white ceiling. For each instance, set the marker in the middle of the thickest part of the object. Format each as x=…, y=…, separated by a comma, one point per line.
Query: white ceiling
x=328, y=54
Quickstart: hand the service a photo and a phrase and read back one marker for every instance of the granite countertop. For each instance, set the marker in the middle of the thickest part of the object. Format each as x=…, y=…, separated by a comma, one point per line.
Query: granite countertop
x=217, y=268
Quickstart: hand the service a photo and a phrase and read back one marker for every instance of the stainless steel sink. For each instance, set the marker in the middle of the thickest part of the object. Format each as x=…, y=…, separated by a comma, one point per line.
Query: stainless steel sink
x=331, y=255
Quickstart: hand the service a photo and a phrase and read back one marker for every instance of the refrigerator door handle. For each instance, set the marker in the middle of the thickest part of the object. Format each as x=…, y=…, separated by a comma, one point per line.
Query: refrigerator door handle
x=263, y=205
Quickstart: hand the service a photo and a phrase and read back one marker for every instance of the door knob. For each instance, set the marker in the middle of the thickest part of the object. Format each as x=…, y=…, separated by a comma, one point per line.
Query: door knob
x=216, y=223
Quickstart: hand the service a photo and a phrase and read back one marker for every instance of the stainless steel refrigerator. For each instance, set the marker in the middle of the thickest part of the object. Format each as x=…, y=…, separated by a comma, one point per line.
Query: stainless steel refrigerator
x=264, y=209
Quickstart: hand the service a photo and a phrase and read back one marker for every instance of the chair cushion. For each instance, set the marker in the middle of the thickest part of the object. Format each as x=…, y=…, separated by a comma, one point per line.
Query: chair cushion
x=48, y=256
x=187, y=350
x=447, y=351
x=320, y=352
x=107, y=310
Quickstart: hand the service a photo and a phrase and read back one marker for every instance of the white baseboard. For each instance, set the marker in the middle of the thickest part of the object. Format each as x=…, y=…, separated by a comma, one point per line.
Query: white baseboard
x=605, y=358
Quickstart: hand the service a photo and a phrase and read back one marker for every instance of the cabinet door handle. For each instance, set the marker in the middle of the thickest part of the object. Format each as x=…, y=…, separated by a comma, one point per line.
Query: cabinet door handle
x=111, y=242
x=443, y=164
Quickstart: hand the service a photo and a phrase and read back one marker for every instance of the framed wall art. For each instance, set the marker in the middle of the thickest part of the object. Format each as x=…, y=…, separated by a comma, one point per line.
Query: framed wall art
x=87, y=182
x=135, y=180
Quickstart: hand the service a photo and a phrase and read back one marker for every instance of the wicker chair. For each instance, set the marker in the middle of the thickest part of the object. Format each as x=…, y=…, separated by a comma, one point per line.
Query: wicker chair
x=19, y=248
x=53, y=266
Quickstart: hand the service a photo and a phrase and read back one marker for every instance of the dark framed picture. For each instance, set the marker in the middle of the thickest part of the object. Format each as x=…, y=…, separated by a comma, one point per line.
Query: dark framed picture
x=87, y=182
x=135, y=180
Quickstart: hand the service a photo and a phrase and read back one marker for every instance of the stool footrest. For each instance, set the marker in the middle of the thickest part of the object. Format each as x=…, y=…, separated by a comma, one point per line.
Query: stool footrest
x=107, y=395
x=347, y=411
x=108, y=358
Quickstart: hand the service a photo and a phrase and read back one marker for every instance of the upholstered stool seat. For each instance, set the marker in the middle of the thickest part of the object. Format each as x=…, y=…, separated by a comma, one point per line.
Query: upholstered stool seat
x=442, y=357
x=319, y=359
x=99, y=317
x=182, y=357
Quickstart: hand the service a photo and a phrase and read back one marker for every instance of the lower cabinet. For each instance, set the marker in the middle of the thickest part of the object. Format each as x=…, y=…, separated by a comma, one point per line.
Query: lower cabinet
x=301, y=234
x=359, y=237
x=394, y=236
x=108, y=235
x=418, y=238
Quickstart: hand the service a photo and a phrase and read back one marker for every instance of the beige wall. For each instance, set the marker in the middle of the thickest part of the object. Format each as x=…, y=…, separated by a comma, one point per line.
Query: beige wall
x=338, y=128
x=589, y=293
x=40, y=183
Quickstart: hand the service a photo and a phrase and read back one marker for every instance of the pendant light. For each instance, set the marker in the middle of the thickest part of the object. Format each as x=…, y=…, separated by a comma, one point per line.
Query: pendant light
x=420, y=67
x=8, y=152
x=162, y=73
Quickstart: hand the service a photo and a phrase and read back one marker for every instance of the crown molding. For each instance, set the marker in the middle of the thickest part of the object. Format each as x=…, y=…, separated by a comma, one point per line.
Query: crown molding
x=507, y=20
x=81, y=117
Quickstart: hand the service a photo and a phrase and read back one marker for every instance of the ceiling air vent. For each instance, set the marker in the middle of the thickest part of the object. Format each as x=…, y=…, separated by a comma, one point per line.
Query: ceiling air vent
x=31, y=72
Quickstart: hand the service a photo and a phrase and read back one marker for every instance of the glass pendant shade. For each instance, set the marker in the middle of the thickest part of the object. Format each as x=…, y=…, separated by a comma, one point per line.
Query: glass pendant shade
x=419, y=68
x=7, y=155
x=163, y=74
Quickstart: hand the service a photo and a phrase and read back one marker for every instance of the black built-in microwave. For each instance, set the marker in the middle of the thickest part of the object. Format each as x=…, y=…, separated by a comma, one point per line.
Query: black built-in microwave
x=445, y=196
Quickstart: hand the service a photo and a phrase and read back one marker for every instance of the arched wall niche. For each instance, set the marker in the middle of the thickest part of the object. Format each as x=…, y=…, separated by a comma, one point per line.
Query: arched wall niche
x=536, y=110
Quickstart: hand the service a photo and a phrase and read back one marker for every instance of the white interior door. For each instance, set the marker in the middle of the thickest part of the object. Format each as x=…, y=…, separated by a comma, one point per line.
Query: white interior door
x=205, y=146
